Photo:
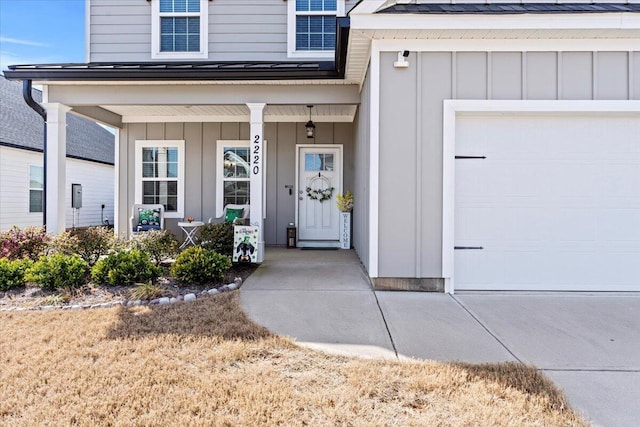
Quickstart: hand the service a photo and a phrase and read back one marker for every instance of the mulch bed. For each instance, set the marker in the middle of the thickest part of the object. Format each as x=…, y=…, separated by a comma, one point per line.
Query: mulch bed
x=32, y=296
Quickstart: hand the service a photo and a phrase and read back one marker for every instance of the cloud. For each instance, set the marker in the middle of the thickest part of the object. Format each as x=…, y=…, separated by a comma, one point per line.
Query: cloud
x=21, y=42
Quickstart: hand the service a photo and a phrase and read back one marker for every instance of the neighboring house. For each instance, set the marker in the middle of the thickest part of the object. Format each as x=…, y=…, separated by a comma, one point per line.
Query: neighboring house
x=89, y=162
x=488, y=145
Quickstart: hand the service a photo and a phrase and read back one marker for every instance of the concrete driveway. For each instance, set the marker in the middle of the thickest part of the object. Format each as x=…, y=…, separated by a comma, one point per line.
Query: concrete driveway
x=589, y=344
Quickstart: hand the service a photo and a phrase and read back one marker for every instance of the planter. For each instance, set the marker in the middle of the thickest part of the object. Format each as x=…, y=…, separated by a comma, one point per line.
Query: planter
x=345, y=230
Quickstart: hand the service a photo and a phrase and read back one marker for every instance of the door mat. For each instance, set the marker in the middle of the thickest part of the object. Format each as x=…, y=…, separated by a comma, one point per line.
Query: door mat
x=319, y=249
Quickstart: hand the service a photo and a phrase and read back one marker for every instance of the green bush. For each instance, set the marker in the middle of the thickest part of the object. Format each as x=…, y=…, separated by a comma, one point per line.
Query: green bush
x=159, y=244
x=217, y=237
x=124, y=268
x=28, y=243
x=90, y=243
x=58, y=271
x=201, y=266
x=12, y=273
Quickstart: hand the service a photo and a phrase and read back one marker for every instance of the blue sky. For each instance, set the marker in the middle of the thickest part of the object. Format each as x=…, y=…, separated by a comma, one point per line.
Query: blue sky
x=41, y=31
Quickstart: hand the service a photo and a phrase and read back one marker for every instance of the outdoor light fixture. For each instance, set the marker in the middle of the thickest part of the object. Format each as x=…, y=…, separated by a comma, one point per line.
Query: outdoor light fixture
x=310, y=127
x=402, y=60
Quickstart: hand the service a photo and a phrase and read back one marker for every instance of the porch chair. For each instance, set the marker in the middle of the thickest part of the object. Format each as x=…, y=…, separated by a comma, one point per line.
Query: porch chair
x=146, y=217
x=231, y=212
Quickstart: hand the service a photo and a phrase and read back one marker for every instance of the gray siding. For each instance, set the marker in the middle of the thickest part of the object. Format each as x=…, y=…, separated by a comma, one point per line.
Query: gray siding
x=410, y=227
x=239, y=30
x=200, y=172
x=360, y=189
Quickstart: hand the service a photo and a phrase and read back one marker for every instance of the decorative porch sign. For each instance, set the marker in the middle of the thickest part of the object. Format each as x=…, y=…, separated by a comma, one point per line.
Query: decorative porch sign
x=345, y=230
x=245, y=244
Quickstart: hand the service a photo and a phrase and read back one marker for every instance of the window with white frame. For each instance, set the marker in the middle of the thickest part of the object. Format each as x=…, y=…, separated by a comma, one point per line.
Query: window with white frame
x=233, y=177
x=160, y=175
x=312, y=27
x=36, y=188
x=179, y=29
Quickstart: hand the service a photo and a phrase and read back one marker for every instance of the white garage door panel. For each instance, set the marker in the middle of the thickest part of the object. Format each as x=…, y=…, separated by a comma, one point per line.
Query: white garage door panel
x=555, y=205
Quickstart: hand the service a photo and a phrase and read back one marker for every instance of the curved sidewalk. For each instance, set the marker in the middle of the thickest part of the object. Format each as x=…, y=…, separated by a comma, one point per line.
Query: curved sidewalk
x=588, y=343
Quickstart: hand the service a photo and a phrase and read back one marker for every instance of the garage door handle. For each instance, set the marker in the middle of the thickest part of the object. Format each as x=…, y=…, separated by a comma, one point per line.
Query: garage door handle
x=468, y=247
x=471, y=157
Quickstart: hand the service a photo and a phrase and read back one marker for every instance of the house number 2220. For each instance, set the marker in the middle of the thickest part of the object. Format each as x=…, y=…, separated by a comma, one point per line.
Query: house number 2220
x=256, y=154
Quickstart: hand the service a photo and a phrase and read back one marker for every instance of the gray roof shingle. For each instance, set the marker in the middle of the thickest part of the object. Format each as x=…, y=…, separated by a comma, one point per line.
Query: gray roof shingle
x=508, y=8
x=20, y=126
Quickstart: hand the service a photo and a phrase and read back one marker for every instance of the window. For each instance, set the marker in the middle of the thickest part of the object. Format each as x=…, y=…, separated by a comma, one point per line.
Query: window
x=312, y=27
x=179, y=29
x=36, y=188
x=233, y=180
x=160, y=175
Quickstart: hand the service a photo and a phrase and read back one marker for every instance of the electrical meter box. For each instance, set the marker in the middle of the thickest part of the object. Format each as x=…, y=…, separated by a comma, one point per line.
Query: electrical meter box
x=76, y=196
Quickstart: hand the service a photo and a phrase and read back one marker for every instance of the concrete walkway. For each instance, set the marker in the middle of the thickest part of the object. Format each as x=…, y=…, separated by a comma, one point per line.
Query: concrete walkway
x=589, y=344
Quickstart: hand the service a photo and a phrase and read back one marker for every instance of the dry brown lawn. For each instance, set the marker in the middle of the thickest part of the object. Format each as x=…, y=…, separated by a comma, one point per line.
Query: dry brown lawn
x=204, y=363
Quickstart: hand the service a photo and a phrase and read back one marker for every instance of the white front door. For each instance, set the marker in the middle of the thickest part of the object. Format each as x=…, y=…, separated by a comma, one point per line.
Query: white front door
x=319, y=180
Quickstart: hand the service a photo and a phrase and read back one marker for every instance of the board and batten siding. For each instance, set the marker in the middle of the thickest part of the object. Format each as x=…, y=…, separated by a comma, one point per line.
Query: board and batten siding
x=239, y=30
x=200, y=167
x=411, y=134
x=97, y=189
x=360, y=190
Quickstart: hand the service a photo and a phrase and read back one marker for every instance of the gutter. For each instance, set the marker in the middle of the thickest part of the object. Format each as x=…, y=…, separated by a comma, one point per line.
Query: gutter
x=28, y=98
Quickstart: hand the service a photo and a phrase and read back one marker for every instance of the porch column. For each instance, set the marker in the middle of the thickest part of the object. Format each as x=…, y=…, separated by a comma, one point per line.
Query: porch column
x=55, y=162
x=257, y=167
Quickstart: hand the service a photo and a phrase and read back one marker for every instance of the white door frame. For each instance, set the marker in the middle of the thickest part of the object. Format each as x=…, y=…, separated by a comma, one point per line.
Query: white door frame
x=454, y=108
x=340, y=147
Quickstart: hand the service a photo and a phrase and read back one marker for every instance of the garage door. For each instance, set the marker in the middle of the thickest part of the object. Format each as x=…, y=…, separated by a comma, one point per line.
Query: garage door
x=554, y=205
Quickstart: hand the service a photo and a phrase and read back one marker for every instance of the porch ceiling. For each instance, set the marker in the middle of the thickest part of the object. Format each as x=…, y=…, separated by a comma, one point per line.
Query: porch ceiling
x=231, y=113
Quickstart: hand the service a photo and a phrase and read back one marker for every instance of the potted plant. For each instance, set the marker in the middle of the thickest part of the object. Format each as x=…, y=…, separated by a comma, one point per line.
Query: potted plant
x=345, y=205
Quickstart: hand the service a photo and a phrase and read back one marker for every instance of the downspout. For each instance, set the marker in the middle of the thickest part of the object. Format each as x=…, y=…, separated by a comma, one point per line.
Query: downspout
x=28, y=97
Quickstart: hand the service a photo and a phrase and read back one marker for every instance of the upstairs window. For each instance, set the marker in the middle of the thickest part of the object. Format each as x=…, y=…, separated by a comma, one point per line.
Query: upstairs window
x=312, y=27
x=179, y=29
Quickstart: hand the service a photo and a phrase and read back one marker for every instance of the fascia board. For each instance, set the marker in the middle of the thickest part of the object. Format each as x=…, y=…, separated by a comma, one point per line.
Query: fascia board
x=490, y=22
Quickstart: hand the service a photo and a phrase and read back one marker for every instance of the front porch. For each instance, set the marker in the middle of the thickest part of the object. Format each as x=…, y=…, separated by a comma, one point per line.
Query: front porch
x=195, y=154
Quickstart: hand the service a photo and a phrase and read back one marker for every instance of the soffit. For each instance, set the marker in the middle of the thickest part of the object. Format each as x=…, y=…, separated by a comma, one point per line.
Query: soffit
x=231, y=113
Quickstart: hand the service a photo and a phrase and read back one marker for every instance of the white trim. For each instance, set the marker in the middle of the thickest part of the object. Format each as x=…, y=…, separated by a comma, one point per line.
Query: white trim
x=87, y=30
x=454, y=108
x=508, y=45
x=291, y=32
x=385, y=21
x=116, y=183
x=298, y=193
x=220, y=145
x=374, y=159
x=204, y=33
x=177, y=143
x=234, y=119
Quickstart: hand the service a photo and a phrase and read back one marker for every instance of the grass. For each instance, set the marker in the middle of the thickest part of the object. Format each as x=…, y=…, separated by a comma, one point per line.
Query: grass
x=205, y=363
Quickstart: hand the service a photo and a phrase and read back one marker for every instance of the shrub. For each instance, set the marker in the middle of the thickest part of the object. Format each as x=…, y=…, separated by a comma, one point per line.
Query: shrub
x=28, y=243
x=124, y=268
x=217, y=237
x=90, y=243
x=12, y=273
x=201, y=266
x=159, y=244
x=58, y=271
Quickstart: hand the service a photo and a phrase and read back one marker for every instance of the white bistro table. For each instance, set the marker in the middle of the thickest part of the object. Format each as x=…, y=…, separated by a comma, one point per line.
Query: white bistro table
x=190, y=229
